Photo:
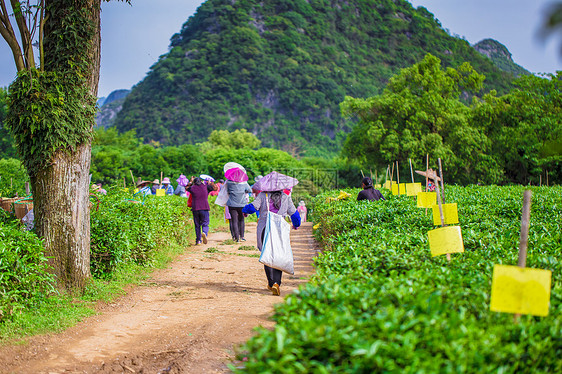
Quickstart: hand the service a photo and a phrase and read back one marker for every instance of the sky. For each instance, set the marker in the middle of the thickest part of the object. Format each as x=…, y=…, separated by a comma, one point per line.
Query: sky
x=133, y=37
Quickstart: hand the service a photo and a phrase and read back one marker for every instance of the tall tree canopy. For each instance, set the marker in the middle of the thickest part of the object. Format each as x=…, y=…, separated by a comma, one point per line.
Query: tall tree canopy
x=423, y=110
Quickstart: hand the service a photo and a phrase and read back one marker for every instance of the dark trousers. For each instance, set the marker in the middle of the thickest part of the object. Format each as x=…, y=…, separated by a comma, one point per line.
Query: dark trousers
x=201, y=220
x=273, y=275
x=237, y=218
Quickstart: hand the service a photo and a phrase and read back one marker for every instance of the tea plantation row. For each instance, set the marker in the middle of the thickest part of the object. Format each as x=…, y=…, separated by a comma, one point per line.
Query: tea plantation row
x=122, y=232
x=380, y=303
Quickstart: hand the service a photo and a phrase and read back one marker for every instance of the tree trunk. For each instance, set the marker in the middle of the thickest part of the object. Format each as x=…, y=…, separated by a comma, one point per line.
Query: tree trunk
x=61, y=190
x=61, y=203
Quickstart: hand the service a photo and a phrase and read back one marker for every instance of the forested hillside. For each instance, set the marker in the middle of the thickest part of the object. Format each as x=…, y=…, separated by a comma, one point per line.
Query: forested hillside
x=280, y=69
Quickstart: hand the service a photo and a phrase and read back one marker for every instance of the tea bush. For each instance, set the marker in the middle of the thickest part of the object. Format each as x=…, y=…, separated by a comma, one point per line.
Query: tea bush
x=129, y=229
x=24, y=280
x=380, y=303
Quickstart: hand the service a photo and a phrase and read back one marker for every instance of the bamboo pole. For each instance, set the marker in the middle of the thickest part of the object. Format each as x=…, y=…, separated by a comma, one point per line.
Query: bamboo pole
x=442, y=180
x=426, y=169
x=524, y=235
x=376, y=176
x=132, y=178
x=547, y=178
x=398, y=177
x=391, y=176
x=411, y=170
x=124, y=183
x=363, y=175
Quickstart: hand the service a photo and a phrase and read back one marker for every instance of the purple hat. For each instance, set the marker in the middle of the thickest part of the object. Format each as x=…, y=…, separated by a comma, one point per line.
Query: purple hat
x=182, y=180
x=166, y=180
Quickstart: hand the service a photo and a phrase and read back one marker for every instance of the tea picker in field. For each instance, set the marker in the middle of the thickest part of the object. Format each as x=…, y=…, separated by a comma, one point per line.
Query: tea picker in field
x=200, y=207
x=155, y=186
x=302, y=211
x=430, y=175
x=182, y=183
x=144, y=188
x=369, y=192
x=273, y=199
x=167, y=186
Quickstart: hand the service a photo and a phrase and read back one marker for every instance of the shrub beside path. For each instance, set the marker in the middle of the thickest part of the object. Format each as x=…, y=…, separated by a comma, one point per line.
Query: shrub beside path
x=187, y=318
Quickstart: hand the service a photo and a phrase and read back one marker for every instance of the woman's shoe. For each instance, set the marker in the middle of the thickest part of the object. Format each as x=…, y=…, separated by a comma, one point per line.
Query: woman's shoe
x=275, y=289
x=204, y=237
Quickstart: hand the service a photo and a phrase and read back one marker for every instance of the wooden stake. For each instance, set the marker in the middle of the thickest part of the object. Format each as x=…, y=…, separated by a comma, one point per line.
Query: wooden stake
x=441, y=211
x=363, y=175
x=124, y=184
x=547, y=178
x=411, y=170
x=426, y=169
x=27, y=191
x=391, y=176
x=442, y=183
x=376, y=176
x=398, y=177
x=132, y=178
x=11, y=183
x=524, y=235
x=161, y=175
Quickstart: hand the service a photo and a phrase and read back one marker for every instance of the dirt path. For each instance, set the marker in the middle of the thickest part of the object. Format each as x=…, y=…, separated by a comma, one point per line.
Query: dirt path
x=187, y=318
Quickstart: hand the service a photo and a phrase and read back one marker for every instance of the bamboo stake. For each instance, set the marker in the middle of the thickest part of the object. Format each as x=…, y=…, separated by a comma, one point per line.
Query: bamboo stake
x=441, y=210
x=411, y=170
x=363, y=175
x=132, y=178
x=27, y=190
x=442, y=182
x=124, y=184
x=391, y=176
x=11, y=183
x=426, y=176
x=524, y=235
x=376, y=176
x=547, y=178
x=398, y=177
x=161, y=175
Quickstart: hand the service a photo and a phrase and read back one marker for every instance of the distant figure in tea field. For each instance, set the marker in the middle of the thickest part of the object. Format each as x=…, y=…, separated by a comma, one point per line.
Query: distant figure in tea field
x=302, y=211
x=167, y=186
x=200, y=207
x=369, y=192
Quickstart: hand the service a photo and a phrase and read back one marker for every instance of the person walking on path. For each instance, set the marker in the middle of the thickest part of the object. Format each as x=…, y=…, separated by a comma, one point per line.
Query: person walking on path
x=200, y=207
x=237, y=199
x=273, y=199
x=369, y=192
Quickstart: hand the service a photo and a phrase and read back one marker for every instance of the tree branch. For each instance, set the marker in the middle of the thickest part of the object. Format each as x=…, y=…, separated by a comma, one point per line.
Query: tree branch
x=9, y=35
x=24, y=33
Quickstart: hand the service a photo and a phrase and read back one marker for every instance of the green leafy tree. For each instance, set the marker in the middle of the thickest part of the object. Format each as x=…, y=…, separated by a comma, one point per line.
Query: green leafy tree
x=419, y=113
x=525, y=127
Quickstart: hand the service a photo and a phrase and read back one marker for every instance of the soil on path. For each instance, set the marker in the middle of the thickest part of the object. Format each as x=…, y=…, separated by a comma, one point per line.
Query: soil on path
x=187, y=318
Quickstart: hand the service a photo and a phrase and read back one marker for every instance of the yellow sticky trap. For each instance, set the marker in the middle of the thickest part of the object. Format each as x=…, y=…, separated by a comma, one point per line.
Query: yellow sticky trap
x=402, y=188
x=412, y=189
x=343, y=195
x=450, y=214
x=427, y=200
x=445, y=240
x=395, y=190
x=160, y=192
x=136, y=190
x=387, y=185
x=520, y=290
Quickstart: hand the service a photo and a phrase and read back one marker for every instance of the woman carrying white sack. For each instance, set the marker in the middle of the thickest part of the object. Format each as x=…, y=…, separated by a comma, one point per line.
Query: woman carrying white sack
x=274, y=199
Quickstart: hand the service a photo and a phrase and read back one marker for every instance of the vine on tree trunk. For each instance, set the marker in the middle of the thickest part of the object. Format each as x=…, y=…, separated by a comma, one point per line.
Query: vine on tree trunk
x=53, y=110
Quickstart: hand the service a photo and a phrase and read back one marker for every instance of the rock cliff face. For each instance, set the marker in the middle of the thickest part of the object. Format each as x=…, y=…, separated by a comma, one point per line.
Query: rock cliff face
x=110, y=107
x=500, y=56
x=280, y=69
